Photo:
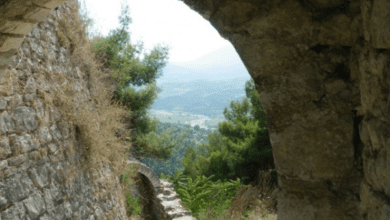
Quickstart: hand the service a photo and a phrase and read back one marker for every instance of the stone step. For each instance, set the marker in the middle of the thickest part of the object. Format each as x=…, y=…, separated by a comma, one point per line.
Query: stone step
x=168, y=195
x=179, y=213
x=187, y=217
x=170, y=202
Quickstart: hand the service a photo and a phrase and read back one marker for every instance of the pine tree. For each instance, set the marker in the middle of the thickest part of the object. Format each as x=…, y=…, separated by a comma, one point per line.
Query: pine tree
x=239, y=148
x=123, y=58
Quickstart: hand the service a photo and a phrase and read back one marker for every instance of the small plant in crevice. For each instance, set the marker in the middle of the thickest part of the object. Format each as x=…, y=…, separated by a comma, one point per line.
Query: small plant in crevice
x=134, y=208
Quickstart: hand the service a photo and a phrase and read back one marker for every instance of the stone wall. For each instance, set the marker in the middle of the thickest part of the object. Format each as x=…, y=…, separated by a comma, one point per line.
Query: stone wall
x=42, y=163
x=44, y=172
x=321, y=69
x=158, y=197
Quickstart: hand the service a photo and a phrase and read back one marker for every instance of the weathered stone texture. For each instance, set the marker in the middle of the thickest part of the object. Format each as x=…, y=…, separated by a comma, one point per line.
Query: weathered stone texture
x=320, y=68
x=165, y=202
x=33, y=161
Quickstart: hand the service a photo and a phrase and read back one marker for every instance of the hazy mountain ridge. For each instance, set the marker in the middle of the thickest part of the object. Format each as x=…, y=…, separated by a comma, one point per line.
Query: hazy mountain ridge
x=223, y=57
x=219, y=65
x=201, y=87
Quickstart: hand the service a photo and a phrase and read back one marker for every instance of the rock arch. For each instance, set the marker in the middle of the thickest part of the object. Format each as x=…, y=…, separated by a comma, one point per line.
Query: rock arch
x=148, y=173
x=148, y=186
x=320, y=68
x=158, y=197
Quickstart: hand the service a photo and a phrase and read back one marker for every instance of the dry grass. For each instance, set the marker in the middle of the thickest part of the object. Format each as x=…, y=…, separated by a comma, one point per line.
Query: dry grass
x=98, y=120
x=94, y=121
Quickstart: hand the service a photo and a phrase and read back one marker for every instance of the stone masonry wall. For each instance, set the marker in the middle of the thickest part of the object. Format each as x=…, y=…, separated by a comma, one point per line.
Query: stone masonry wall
x=43, y=170
x=158, y=197
x=42, y=167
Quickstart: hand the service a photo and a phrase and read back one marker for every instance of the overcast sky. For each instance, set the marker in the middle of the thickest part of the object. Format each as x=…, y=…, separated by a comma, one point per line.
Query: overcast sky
x=160, y=21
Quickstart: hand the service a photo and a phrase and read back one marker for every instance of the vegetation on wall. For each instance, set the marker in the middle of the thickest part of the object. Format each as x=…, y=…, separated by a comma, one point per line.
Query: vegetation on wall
x=123, y=58
x=93, y=118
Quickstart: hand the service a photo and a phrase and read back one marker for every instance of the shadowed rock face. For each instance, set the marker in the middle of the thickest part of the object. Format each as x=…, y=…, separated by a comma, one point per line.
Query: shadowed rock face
x=321, y=70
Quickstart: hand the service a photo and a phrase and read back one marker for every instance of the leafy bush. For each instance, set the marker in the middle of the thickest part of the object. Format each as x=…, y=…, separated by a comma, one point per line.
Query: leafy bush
x=134, y=208
x=197, y=194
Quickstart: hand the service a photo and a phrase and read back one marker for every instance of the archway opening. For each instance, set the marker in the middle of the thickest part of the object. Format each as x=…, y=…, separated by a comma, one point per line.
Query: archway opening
x=198, y=126
x=195, y=93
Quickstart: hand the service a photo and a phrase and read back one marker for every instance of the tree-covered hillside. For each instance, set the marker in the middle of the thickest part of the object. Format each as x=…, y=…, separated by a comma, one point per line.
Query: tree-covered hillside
x=194, y=136
x=239, y=148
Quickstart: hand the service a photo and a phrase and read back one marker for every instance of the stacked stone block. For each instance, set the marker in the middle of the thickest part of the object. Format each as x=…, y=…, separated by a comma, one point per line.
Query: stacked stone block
x=158, y=197
x=168, y=203
x=42, y=164
x=17, y=18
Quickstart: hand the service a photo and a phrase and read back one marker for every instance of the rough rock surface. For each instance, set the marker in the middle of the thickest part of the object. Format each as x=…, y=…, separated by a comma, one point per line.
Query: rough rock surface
x=40, y=177
x=43, y=173
x=321, y=70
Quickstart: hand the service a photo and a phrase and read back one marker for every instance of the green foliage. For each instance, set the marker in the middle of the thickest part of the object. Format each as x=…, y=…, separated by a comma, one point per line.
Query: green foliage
x=134, y=208
x=189, y=138
x=239, y=148
x=197, y=194
x=257, y=111
x=239, y=111
x=133, y=204
x=162, y=145
x=124, y=60
x=196, y=127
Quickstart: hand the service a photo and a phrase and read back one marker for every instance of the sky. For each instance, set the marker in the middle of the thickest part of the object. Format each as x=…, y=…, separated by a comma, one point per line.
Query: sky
x=166, y=22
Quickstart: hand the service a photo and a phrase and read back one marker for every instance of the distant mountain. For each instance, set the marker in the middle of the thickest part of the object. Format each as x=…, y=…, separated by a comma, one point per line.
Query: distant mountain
x=225, y=56
x=203, y=86
x=222, y=64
